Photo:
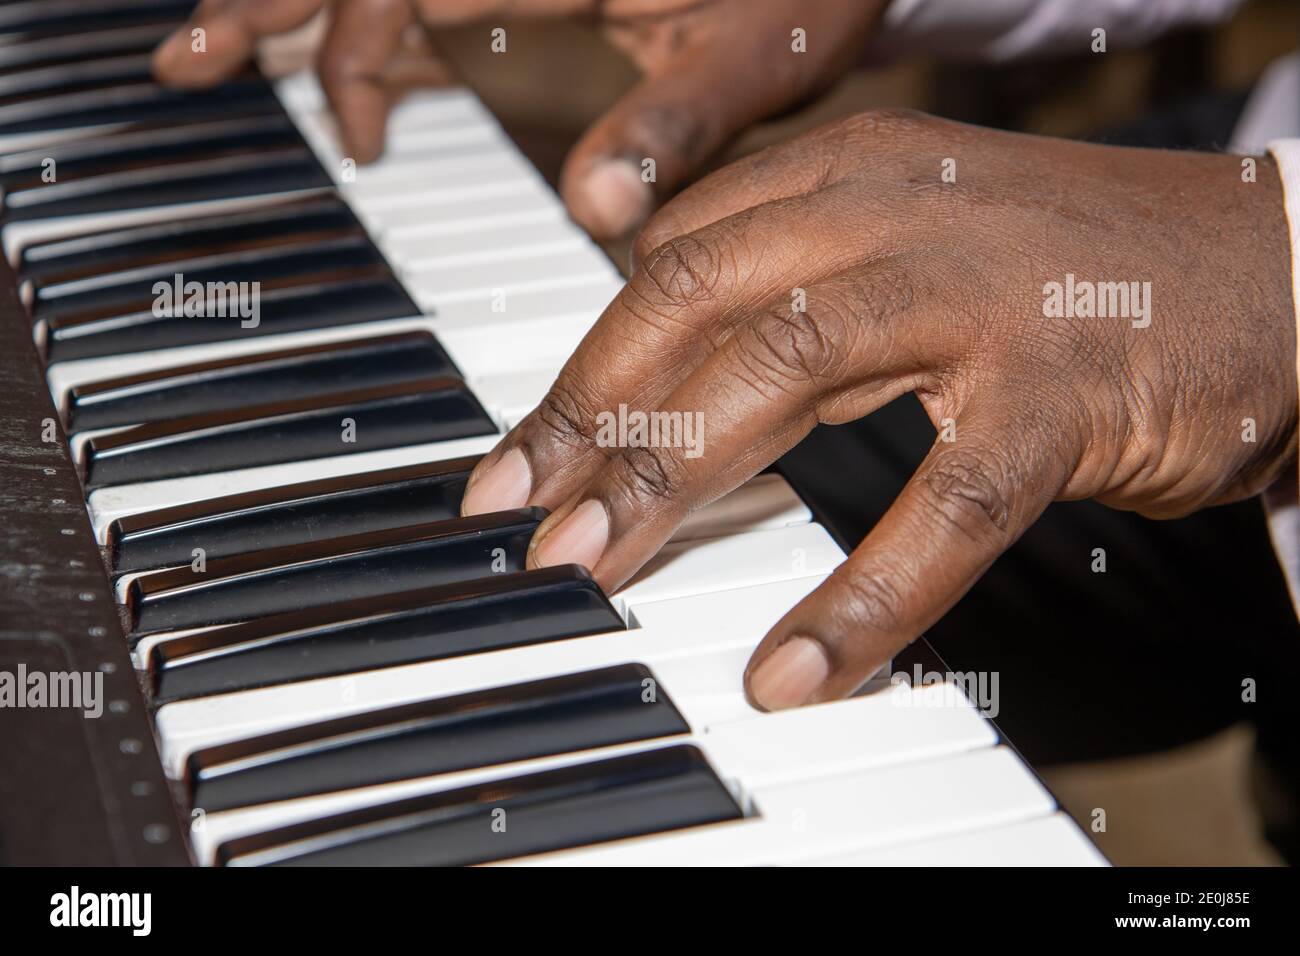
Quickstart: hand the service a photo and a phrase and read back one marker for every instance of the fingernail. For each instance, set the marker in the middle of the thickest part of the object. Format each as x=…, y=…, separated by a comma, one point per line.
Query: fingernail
x=578, y=539
x=505, y=485
x=790, y=674
x=616, y=197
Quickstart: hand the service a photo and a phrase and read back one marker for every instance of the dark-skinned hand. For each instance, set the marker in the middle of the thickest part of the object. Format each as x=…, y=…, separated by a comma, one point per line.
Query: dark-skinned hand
x=711, y=68
x=911, y=282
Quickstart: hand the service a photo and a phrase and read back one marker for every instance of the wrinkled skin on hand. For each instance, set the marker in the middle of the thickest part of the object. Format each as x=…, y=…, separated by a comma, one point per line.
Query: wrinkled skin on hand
x=916, y=284
x=711, y=68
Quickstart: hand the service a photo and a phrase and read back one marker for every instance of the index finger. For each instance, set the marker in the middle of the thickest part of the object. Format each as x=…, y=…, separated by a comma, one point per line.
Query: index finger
x=361, y=41
x=231, y=29
x=672, y=314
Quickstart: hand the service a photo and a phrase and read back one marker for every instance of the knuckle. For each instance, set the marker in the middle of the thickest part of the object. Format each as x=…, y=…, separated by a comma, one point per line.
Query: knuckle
x=874, y=601
x=647, y=241
x=887, y=120
x=685, y=137
x=966, y=492
x=567, y=416
x=338, y=68
x=662, y=228
x=681, y=271
x=647, y=474
x=796, y=345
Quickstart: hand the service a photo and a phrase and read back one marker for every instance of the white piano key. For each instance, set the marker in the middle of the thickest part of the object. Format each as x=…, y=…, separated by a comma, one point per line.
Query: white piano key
x=19, y=235
x=63, y=376
x=846, y=736
x=764, y=502
x=36, y=139
x=447, y=139
x=144, y=647
x=485, y=200
x=511, y=396
x=686, y=627
x=304, y=99
x=107, y=504
x=408, y=180
x=506, y=399
x=491, y=242
x=542, y=344
x=578, y=264
x=457, y=134
x=695, y=685
x=798, y=822
x=542, y=328
x=431, y=108
x=585, y=297
x=433, y=140
x=1047, y=841
x=733, y=561
x=912, y=802
x=210, y=830
x=512, y=202
x=301, y=93
x=454, y=205
x=675, y=573
x=414, y=172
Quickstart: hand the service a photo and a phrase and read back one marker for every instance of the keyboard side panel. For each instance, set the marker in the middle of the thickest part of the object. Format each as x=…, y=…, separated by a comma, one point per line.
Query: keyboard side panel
x=74, y=789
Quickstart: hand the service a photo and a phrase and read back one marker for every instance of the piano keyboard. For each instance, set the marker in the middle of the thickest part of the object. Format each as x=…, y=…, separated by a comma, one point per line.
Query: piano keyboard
x=341, y=669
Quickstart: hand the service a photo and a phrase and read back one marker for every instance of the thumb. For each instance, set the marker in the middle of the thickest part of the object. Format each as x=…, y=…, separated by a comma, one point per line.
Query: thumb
x=658, y=135
x=965, y=505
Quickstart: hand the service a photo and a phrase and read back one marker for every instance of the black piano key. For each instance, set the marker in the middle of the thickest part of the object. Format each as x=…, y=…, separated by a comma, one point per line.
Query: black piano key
x=257, y=379
x=122, y=151
x=341, y=423
x=250, y=586
x=109, y=147
x=74, y=77
x=27, y=52
x=468, y=617
x=501, y=725
x=68, y=16
x=344, y=297
x=262, y=265
x=62, y=260
x=292, y=514
x=288, y=169
x=137, y=103
x=651, y=792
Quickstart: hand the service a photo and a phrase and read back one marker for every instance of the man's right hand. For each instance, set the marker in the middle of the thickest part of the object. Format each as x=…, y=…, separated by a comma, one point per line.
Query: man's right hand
x=711, y=68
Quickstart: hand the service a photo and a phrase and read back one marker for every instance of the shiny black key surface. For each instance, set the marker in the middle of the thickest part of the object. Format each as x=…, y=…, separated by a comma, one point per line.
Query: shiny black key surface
x=339, y=423
x=341, y=297
x=138, y=149
x=469, y=617
x=501, y=725
x=67, y=16
x=132, y=247
x=257, y=379
x=115, y=70
x=659, y=790
x=136, y=103
x=249, y=586
x=26, y=52
x=290, y=514
x=262, y=265
x=282, y=170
